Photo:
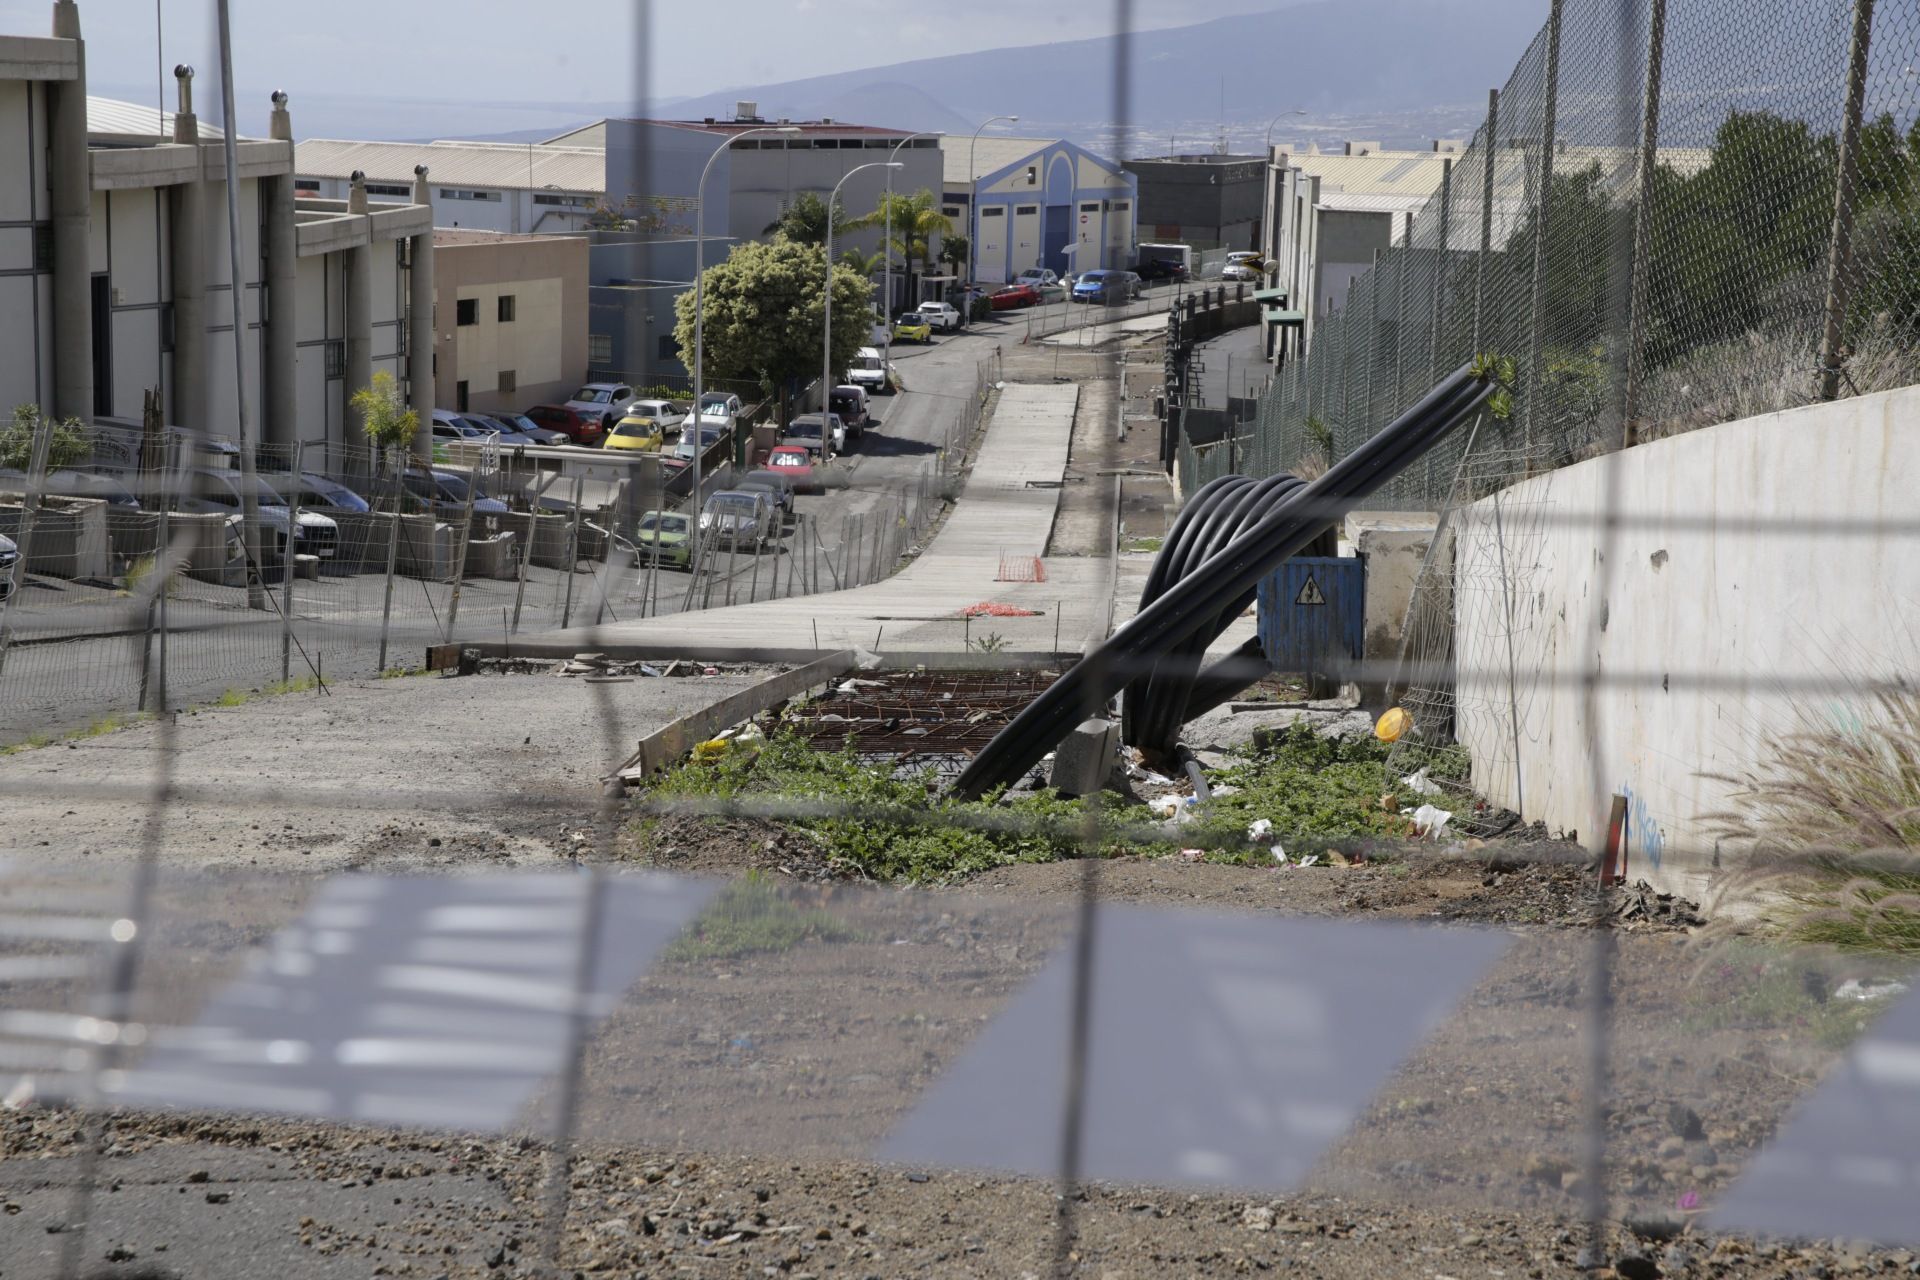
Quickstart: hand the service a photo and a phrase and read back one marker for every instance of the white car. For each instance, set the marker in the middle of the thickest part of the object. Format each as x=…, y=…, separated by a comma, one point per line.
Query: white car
x=661, y=411
x=9, y=555
x=607, y=401
x=1038, y=277
x=943, y=316
x=868, y=370
x=718, y=409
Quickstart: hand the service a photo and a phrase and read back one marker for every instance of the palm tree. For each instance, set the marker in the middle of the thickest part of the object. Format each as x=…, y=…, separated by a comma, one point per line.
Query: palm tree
x=805, y=220
x=863, y=264
x=916, y=221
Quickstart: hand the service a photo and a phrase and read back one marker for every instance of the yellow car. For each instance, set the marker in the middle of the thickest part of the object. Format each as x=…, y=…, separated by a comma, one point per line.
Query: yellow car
x=639, y=435
x=912, y=327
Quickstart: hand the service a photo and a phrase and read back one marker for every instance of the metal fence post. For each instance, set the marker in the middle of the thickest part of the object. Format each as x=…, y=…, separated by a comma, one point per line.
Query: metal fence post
x=1643, y=224
x=1486, y=216
x=460, y=551
x=290, y=565
x=573, y=549
x=1548, y=123
x=1840, y=250
x=393, y=555
x=1440, y=271
x=1400, y=261
x=29, y=513
x=526, y=557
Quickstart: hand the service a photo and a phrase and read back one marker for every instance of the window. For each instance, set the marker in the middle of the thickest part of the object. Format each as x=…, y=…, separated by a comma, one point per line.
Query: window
x=388, y=189
x=311, y=185
x=564, y=202
x=599, y=349
x=1092, y=206
x=466, y=311
x=460, y=396
x=336, y=357
x=43, y=247
x=505, y=309
x=509, y=381
x=456, y=193
x=1027, y=210
x=950, y=210
x=1119, y=206
x=669, y=348
x=995, y=212
x=166, y=327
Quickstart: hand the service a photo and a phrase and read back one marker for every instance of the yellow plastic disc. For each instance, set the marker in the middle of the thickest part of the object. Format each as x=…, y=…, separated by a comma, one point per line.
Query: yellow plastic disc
x=1393, y=725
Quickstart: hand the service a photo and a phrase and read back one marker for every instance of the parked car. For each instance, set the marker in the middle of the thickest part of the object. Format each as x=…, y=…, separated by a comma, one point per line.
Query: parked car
x=67, y=483
x=667, y=534
x=739, y=517
x=606, y=401
x=578, y=427
x=940, y=315
x=1037, y=277
x=1243, y=266
x=719, y=409
x=1015, y=296
x=869, y=371
x=912, y=327
x=795, y=462
x=634, y=434
x=215, y=490
x=823, y=433
x=777, y=487
x=448, y=489
x=9, y=557
x=533, y=431
x=664, y=412
x=1109, y=287
x=850, y=402
x=318, y=492
x=450, y=426
x=681, y=455
x=1161, y=269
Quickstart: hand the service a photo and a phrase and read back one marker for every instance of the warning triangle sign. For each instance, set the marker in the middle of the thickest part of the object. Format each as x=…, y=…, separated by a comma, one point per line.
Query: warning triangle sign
x=1310, y=593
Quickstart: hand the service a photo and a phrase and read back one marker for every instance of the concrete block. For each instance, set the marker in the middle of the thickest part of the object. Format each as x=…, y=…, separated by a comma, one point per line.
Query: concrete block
x=1085, y=758
x=1394, y=545
x=492, y=557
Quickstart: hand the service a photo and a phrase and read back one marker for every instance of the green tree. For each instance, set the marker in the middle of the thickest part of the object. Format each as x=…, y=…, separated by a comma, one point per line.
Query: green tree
x=388, y=423
x=764, y=315
x=863, y=264
x=805, y=220
x=917, y=222
x=66, y=446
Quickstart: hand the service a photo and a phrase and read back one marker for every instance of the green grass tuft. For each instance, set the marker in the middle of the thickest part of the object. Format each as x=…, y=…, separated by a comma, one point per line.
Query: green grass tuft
x=751, y=917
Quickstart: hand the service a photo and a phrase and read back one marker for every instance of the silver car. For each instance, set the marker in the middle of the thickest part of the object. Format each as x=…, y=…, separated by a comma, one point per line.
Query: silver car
x=741, y=517
x=9, y=556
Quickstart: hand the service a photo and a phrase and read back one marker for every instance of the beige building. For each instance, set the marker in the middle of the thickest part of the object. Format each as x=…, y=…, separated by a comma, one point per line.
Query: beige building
x=511, y=319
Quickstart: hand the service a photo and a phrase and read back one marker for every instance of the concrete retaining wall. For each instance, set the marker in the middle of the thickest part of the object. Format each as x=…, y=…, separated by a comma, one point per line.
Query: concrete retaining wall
x=1763, y=570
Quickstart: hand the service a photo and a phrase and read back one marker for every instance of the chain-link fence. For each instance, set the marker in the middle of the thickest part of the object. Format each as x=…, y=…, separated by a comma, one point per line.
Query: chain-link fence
x=1724, y=224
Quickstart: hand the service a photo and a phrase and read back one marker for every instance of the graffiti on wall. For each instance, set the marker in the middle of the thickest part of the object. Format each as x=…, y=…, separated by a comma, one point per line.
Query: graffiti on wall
x=1643, y=830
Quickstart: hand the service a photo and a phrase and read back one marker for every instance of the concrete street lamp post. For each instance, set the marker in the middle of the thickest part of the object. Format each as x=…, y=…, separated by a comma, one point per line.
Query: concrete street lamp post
x=973, y=202
x=826, y=341
x=699, y=323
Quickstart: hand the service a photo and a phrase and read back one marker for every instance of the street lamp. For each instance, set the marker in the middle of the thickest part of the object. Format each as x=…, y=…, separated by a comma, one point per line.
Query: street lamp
x=826, y=342
x=973, y=200
x=886, y=246
x=1276, y=120
x=699, y=323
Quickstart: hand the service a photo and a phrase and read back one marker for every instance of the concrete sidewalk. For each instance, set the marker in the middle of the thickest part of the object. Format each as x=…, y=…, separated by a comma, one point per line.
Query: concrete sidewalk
x=1002, y=521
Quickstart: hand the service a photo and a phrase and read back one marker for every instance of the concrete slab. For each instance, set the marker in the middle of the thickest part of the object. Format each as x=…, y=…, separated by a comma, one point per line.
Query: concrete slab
x=1095, y=331
x=1003, y=519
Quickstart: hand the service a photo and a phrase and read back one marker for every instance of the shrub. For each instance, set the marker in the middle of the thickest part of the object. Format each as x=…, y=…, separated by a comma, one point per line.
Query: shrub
x=66, y=447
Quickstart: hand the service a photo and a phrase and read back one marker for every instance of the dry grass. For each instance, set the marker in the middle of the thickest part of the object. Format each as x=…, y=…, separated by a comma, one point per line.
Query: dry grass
x=1832, y=820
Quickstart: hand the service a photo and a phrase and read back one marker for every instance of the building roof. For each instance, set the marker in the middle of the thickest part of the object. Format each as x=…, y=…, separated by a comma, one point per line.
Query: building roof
x=816, y=128
x=991, y=154
x=111, y=115
x=507, y=166
x=1394, y=173
x=587, y=135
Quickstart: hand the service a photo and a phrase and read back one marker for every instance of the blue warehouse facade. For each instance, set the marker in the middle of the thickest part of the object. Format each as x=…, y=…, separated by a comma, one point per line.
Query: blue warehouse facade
x=1041, y=204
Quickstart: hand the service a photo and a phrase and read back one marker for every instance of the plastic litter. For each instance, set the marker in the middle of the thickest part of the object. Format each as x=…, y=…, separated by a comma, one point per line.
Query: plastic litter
x=1393, y=725
x=1420, y=784
x=1224, y=789
x=1868, y=989
x=1260, y=830
x=1430, y=822
x=1311, y=860
x=1172, y=808
x=1192, y=855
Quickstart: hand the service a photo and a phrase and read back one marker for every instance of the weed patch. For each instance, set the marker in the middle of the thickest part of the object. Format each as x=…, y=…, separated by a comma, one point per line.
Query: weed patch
x=750, y=917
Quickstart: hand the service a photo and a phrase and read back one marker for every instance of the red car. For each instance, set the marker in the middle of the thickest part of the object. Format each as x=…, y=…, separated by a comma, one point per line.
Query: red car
x=571, y=423
x=1015, y=295
x=796, y=464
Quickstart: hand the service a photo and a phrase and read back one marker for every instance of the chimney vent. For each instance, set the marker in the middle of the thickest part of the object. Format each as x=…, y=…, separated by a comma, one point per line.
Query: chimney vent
x=745, y=110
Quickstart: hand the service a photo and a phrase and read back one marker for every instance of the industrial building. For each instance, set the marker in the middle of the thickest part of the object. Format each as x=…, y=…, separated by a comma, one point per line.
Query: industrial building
x=1206, y=201
x=483, y=186
x=1036, y=202
x=114, y=274
x=512, y=318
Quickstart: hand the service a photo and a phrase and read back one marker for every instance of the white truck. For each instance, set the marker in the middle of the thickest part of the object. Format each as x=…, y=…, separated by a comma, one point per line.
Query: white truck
x=1180, y=253
x=868, y=371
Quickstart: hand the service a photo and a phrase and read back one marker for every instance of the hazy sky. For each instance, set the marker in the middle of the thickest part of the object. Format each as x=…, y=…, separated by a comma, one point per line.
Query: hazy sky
x=567, y=50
